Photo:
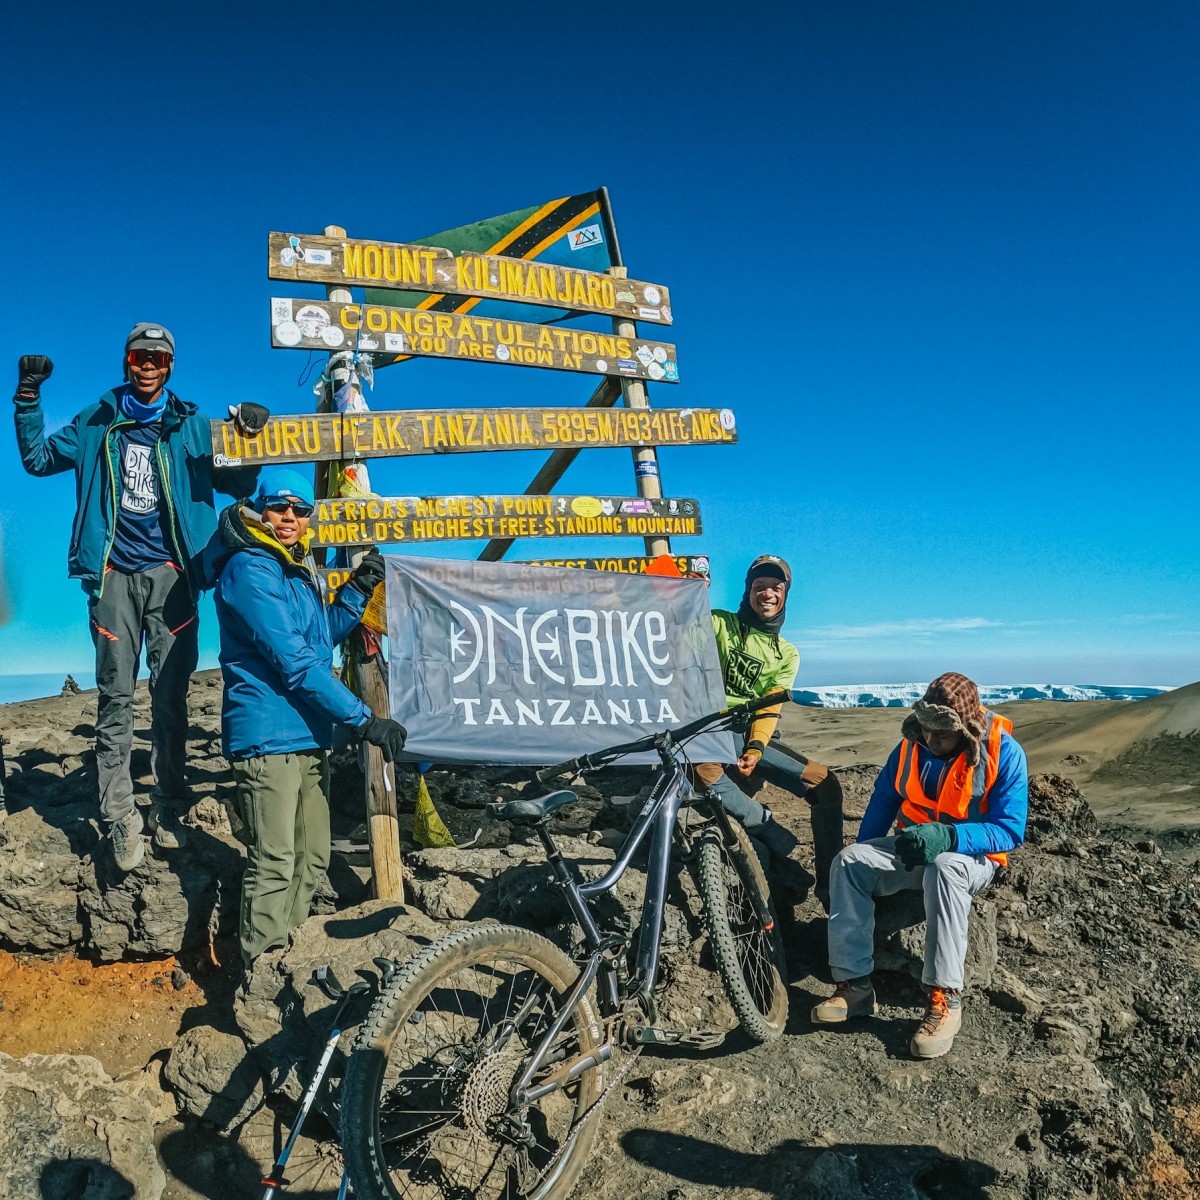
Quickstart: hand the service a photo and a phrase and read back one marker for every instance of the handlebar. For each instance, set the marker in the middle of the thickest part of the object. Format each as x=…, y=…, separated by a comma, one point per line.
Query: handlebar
x=726, y=717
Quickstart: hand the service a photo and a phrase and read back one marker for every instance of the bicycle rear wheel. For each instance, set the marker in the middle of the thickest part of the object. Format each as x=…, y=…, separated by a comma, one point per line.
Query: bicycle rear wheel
x=749, y=958
x=426, y=1113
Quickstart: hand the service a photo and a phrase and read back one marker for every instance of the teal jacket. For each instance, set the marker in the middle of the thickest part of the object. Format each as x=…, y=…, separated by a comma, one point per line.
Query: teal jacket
x=89, y=447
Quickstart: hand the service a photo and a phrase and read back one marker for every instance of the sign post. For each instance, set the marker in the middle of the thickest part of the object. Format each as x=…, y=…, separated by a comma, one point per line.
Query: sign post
x=370, y=674
x=645, y=458
x=496, y=292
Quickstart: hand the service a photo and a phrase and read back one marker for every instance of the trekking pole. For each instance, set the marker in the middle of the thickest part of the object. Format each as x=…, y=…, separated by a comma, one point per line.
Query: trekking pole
x=275, y=1181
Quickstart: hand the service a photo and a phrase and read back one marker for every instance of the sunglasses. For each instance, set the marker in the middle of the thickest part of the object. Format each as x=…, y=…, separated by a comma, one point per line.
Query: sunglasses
x=158, y=358
x=281, y=506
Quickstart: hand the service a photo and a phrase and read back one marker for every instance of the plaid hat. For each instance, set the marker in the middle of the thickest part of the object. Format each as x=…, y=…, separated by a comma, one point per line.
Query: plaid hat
x=274, y=483
x=144, y=336
x=772, y=566
x=950, y=703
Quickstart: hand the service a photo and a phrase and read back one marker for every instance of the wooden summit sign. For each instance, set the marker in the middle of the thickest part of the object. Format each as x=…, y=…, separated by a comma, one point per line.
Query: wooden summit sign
x=380, y=520
x=688, y=564
x=329, y=325
x=317, y=437
x=352, y=262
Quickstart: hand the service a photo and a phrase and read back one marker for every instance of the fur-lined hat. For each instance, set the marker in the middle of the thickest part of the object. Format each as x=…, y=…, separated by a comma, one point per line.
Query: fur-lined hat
x=951, y=702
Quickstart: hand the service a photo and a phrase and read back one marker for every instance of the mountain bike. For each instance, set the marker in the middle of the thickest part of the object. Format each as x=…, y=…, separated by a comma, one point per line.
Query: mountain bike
x=482, y=1067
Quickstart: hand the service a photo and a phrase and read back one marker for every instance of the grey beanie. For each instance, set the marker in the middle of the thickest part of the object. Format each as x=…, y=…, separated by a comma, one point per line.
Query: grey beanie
x=145, y=336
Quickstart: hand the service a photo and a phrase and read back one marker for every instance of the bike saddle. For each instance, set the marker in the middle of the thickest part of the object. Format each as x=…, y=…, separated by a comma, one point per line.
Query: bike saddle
x=531, y=812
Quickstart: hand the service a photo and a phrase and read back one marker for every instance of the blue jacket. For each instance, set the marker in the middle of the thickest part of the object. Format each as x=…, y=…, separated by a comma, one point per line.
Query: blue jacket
x=89, y=446
x=277, y=638
x=1007, y=801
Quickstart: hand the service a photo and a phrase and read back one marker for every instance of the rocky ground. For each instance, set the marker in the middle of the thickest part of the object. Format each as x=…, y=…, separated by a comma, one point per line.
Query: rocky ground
x=128, y=1067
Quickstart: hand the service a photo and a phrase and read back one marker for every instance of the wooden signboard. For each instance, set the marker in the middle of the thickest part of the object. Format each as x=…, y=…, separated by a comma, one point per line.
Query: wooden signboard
x=327, y=325
x=388, y=520
x=318, y=437
x=688, y=564
x=352, y=261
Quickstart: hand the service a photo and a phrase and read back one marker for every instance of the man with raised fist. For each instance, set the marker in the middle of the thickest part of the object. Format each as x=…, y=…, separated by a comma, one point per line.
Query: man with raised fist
x=141, y=546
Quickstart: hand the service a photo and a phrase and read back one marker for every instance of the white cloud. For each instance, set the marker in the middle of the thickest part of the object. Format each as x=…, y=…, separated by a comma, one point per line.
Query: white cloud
x=1145, y=618
x=914, y=627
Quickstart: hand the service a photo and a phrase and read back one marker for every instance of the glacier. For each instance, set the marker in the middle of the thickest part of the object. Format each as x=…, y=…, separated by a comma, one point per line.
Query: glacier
x=904, y=695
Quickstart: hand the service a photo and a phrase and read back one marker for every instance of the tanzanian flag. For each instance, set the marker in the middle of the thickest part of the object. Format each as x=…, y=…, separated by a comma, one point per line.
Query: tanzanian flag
x=568, y=232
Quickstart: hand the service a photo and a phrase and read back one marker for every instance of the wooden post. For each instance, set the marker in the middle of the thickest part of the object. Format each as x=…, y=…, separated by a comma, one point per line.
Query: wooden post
x=383, y=828
x=645, y=458
x=383, y=825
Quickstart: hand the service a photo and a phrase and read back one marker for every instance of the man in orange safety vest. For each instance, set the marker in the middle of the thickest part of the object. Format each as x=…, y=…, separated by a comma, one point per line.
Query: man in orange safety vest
x=956, y=789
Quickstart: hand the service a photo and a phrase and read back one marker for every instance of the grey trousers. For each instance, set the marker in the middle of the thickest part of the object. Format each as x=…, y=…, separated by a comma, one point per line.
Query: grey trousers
x=284, y=801
x=156, y=607
x=811, y=781
x=869, y=869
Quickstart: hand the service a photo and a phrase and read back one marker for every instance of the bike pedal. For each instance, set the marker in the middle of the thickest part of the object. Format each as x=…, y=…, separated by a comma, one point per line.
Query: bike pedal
x=703, y=1039
x=698, y=1039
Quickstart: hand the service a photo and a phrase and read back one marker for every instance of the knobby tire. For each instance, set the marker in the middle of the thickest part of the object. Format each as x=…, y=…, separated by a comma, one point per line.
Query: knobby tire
x=749, y=958
x=427, y=1085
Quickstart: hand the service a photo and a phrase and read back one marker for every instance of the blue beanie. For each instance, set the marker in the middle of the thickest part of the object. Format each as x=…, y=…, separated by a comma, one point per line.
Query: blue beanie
x=275, y=482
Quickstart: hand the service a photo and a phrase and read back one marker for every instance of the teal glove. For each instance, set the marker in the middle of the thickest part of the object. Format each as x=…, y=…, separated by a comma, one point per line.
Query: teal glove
x=919, y=845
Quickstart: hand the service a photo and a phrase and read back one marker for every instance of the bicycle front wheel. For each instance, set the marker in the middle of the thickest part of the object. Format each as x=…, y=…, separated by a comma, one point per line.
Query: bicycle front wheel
x=749, y=958
x=426, y=1106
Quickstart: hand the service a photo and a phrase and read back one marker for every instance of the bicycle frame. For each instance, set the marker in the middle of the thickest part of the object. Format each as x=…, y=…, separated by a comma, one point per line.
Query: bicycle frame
x=657, y=819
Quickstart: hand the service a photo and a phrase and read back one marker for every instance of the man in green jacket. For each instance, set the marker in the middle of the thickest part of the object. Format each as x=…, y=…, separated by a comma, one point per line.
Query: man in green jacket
x=141, y=541
x=756, y=660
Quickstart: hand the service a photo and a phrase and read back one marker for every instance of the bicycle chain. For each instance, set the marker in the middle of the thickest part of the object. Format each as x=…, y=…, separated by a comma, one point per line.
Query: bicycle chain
x=593, y=1112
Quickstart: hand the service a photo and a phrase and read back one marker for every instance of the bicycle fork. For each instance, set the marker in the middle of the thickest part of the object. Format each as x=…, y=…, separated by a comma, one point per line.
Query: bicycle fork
x=733, y=847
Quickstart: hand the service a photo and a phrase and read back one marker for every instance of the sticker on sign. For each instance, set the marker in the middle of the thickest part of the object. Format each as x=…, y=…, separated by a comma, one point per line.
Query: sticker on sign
x=588, y=235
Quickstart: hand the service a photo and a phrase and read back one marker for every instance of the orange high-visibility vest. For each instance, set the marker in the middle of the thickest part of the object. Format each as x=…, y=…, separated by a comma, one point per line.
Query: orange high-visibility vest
x=962, y=794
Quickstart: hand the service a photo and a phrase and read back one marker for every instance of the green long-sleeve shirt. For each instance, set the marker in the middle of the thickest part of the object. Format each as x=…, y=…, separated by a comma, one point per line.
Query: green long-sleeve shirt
x=752, y=664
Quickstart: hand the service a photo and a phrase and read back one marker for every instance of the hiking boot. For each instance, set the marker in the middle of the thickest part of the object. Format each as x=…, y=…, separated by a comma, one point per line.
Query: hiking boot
x=942, y=1020
x=169, y=833
x=126, y=838
x=851, y=998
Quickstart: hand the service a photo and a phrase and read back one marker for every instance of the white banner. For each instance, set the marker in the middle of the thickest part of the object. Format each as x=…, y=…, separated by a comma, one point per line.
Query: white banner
x=514, y=663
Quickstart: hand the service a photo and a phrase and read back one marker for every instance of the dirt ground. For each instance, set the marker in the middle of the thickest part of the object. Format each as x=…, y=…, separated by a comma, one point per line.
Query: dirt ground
x=743, y=1122
x=111, y=1011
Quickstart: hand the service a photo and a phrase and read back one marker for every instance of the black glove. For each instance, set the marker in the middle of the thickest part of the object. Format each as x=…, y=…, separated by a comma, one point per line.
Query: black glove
x=385, y=733
x=32, y=371
x=368, y=575
x=249, y=418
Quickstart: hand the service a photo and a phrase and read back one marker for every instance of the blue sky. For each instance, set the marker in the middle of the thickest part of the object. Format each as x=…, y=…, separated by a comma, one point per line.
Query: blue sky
x=942, y=260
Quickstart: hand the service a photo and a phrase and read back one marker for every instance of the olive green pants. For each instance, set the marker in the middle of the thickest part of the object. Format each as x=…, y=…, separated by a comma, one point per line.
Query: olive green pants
x=284, y=801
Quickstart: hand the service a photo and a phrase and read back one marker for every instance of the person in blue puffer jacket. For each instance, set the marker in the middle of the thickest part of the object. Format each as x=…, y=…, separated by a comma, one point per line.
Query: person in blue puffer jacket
x=956, y=791
x=140, y=545
x=281, y=699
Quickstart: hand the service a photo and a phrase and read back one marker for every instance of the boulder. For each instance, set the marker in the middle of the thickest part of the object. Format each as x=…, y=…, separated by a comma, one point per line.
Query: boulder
x=59, y=887
x=68, y=1132
x=40, y=878
x=1058, y=810
x=214, y=1077
x=284, y=1014
x=900, y=938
